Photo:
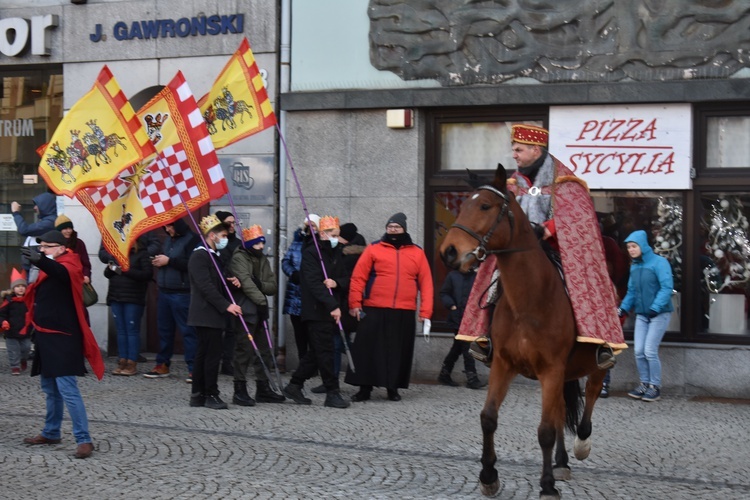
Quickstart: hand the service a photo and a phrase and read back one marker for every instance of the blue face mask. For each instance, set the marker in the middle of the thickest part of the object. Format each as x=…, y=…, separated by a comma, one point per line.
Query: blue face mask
x=222, y=243
x=334, y=241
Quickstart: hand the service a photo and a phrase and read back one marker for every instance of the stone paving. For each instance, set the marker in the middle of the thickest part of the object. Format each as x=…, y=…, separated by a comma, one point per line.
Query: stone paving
x=150, y=444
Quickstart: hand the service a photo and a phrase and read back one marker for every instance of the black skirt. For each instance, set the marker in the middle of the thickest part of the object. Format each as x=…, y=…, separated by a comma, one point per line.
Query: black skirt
x=383, y=348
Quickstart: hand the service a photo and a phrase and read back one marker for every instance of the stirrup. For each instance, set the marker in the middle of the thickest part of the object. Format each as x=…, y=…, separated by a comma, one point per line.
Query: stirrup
x=605, y=357
x=481, y=350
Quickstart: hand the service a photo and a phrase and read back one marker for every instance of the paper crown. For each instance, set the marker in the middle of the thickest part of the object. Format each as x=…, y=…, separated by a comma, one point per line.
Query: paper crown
x=17, y=278
x=252, y=233
x=529, y=134
x=208, y=223
x=327, y=222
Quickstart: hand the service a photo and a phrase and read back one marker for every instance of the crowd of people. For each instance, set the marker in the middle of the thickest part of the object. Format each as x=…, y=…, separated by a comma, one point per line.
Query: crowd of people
x=343, y=297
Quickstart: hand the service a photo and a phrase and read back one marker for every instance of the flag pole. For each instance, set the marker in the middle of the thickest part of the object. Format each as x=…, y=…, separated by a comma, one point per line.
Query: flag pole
x=218, y=270
x=315, y=241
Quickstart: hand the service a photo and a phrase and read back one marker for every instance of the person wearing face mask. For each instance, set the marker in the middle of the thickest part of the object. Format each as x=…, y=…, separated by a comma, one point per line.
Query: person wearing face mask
x=321, y=312
x=383, y=296
x=209, y=306
x=62, y=338
x=257, y=281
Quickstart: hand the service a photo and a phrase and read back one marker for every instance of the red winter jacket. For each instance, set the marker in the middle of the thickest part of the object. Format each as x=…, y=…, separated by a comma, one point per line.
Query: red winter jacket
x=388, y=277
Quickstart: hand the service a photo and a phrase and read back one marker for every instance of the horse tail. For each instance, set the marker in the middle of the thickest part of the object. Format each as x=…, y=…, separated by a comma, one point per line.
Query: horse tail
x=573, y=400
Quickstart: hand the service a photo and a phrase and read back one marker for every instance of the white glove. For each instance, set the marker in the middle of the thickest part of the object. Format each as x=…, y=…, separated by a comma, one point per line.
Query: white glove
x=426, y=325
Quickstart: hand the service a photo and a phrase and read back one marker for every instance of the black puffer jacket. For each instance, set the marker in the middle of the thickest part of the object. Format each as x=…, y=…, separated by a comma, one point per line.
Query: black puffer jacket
x=130, y=286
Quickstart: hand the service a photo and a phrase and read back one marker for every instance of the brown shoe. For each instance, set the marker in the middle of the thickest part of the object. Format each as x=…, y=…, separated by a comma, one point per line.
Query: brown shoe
x=84, y=450
x=39, y=439
x=130, y=368
x=121, y=364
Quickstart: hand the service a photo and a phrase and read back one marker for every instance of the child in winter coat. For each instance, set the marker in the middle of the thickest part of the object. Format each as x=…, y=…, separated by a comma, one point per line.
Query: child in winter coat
x=12, y=321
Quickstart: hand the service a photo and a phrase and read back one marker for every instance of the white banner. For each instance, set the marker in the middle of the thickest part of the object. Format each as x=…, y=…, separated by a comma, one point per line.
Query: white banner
x=642, y=147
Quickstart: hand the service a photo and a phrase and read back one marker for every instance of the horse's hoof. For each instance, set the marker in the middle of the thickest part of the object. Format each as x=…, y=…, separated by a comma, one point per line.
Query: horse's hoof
x=582, y=448
x=561, y=473
x=550, y=496
x=489, y=490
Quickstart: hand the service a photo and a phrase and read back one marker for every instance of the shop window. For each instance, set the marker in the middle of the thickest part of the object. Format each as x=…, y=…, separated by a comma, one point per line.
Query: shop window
x=726, y=142
x=725, y=262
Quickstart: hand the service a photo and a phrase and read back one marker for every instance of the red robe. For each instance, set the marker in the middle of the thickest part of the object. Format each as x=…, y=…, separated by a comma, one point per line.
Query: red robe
x=590, y=289
x=72, y=263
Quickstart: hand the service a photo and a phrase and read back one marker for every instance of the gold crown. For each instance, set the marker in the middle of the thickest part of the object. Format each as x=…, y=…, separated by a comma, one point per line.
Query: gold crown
x=328, y=222
x=529, y=134
x=208, y=223
x=252, y=232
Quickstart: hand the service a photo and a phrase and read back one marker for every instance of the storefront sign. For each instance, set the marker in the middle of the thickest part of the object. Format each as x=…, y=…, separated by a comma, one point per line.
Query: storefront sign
x=250, y=179
x=625, y=147
x=7, y=223
x=163, y=28
x=17, y=128
x=15, y=33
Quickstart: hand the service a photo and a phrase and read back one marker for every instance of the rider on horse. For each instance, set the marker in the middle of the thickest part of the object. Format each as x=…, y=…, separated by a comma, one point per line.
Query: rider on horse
x=558, y=205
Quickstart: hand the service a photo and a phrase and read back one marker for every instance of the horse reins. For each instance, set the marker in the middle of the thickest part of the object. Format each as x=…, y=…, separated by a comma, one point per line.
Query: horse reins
x=480, y=253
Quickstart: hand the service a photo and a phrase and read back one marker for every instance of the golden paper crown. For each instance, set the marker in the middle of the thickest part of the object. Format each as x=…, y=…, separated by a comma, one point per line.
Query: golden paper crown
x=252, y=232
x=529, y=134
x=208, y=223
x=328, y=222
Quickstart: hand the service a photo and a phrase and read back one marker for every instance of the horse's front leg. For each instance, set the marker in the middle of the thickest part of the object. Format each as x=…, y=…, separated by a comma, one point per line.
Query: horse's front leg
x=500, y=379
x=582, y=445
x=550, y=429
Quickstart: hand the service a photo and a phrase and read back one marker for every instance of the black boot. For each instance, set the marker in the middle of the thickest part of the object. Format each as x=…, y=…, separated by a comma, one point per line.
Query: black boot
x=445, y=377
x=214, y=402
x=241, y=397
x=264, y=394
x=363, y=394
x=334, y=400
x=473, y=382
x=605, y=357
x=294, y=392
x=393, y=395
x=197, y=399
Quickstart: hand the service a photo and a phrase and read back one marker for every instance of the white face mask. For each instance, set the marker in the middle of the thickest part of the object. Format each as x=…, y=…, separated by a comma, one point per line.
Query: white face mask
x=334, y=241
x=49, y=256
x=222, y=243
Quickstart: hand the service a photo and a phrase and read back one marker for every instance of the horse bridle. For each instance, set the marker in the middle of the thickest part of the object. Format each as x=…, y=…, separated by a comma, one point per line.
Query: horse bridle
x=480, y=253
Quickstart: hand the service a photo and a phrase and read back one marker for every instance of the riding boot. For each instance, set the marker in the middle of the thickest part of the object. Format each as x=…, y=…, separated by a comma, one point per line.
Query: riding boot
x=481, y=349
x=605, y=357
x=264, y=394
x=241, y=397
x=445, y=377
x=473, y=382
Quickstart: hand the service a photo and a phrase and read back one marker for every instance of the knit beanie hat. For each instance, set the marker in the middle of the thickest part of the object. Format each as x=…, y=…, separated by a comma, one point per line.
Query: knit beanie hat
x=17, y=278
x=63, y=222
x=348, y=231
x=222, y=215
x=398, y=218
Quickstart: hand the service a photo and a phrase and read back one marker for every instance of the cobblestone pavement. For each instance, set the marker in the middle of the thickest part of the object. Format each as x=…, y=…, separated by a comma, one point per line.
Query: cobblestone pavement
x=150, y=444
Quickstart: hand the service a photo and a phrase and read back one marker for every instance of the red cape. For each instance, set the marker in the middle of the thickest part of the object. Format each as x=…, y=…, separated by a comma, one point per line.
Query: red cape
x=591, y=292
x=90, y=348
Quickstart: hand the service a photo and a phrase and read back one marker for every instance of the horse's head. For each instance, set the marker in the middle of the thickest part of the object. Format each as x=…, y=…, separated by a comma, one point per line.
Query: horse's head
x=486, y=222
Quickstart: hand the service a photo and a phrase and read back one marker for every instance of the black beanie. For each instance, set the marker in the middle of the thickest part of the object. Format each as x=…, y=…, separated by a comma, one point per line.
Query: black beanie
x=348, y=231
x=221, y=215
x=399, y=219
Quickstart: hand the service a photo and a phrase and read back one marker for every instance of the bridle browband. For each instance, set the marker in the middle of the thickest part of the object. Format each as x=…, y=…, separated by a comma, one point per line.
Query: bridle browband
x=480, y=253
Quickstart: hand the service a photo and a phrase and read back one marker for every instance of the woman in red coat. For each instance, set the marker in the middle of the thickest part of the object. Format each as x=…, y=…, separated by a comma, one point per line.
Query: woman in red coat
x=383, y=296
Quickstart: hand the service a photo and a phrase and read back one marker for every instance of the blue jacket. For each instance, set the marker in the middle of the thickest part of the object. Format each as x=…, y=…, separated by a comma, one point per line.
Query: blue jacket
x=291, y=264
x=173, y=278
x=650, y=283
x=47, y=204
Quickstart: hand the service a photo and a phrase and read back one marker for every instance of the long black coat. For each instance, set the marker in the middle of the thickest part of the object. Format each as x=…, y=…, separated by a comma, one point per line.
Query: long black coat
x=131, y=286
x=208, y=301
x=455, y=292
x=317, y=301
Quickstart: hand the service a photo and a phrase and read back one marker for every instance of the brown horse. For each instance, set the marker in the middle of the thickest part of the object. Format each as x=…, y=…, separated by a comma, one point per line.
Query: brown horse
x=533, y=330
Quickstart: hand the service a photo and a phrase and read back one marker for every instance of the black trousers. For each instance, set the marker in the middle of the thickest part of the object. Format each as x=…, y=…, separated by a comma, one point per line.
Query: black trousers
x=207, y=359
x=319, y=356
x=301, y=338
x=460, y=348
x=244, y=352
x=227, y=348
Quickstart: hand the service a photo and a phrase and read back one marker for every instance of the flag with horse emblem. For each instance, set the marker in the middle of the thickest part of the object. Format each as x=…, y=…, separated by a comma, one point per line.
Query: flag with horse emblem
x=185, y=174
x=237, y=106
x=98, y=138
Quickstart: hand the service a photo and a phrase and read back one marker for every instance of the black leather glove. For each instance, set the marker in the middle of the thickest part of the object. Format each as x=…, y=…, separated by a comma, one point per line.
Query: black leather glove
x=262, y=313
x=652, y=313
x=32, y=254
x=294, y=278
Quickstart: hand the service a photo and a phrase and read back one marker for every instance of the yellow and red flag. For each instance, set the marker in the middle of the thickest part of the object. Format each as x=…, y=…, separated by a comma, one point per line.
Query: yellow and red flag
x=98, y=138
x=184, y=175
x=237, y=106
